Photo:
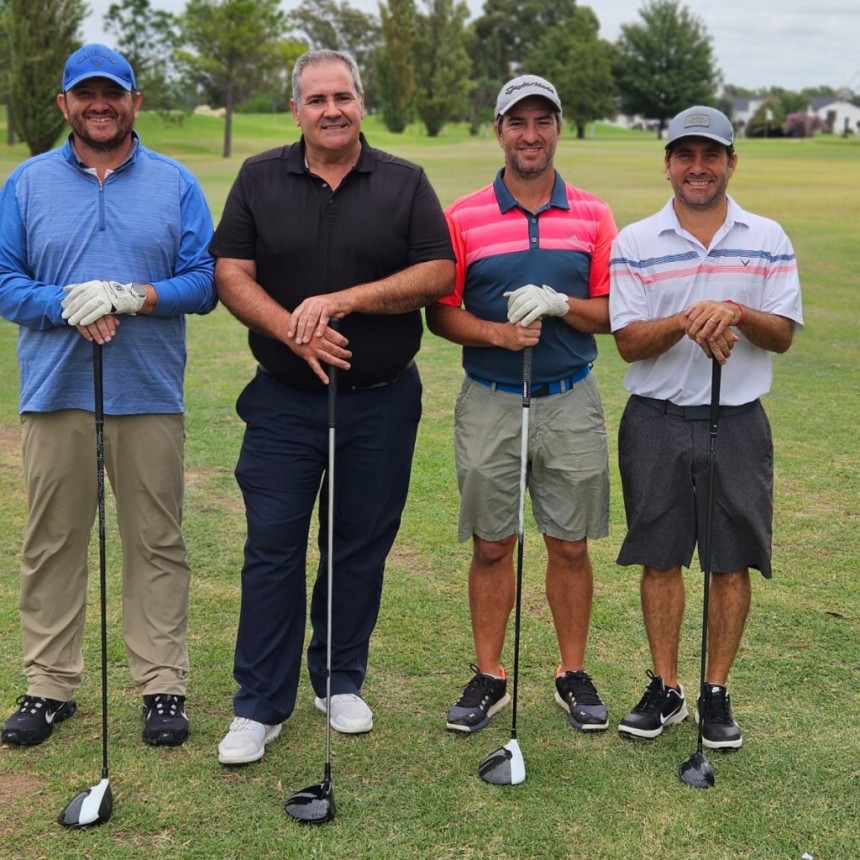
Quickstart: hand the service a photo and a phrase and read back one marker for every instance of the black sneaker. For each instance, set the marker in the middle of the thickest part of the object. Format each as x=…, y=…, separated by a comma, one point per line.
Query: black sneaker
x=660, y=706
x=576, y=694
x=719, y=730
x=166, y=723
x=482, y=697
x=34, y=720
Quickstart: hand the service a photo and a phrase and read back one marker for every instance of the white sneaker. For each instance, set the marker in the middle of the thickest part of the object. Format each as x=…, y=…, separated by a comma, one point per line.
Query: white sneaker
x=246, y=741
x=349, y=713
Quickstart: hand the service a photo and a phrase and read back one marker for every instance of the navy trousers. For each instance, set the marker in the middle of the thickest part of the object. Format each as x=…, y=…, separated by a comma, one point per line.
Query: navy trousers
x=282, y=472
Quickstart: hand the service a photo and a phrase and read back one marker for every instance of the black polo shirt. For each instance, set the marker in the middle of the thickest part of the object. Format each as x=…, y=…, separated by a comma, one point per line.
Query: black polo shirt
x=307, y=240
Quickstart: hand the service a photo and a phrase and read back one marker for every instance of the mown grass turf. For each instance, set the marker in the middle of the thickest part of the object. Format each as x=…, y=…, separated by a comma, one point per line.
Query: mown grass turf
x=409, y=789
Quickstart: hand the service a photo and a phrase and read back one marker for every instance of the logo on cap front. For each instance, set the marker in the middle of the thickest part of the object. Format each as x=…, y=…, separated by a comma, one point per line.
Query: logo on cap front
x=697, y=119
x=95, y=57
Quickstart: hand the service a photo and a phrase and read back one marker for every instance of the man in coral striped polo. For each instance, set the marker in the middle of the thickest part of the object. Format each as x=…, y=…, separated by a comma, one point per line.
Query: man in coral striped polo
x=532, y=272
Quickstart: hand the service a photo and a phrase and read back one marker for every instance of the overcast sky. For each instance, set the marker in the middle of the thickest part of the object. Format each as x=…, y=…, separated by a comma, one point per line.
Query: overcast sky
x=757, y=43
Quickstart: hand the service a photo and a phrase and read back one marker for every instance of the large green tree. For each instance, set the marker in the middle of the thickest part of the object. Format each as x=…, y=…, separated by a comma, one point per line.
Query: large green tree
x=442, y=65
x=579, y=64
x=500, y=41
x=485, y=82
x=234, y=45
x=341, y=27
x=5, y=74
x=665, y=63
x=146, y=37
x=509, y=30
x=395, y=67
x=41, y=35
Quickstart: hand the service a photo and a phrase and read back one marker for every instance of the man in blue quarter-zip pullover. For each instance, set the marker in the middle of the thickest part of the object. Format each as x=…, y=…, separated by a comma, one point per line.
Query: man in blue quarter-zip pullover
x=103, y=241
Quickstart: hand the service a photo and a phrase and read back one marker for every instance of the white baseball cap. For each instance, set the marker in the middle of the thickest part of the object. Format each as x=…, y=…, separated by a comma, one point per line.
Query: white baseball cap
x=513, y=92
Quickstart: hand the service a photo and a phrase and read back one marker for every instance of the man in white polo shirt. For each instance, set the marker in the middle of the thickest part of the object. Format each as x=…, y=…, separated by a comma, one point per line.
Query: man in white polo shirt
x=700, y=279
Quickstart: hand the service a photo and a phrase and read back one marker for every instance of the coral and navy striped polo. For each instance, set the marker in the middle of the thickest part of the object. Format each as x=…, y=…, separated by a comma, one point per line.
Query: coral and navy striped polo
x=500, y=247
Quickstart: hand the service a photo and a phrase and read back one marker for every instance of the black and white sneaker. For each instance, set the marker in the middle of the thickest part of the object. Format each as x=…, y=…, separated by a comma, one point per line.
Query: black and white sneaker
x=576, y=694
x=166, y=722
x=719, y=729
x=660, y=706
x=482, y=697
x=34, y=720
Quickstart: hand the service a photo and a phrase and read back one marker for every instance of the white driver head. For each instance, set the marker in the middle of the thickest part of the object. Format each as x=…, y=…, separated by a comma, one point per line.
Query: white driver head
x=505, y=766
x=93, y=806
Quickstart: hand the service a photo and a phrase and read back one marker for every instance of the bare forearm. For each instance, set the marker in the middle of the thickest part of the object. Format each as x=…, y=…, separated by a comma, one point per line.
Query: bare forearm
x=249, y=302
x=460, y=326
x=766, y=331
x=407, y=290
x=589, y=315
x=645, y=339
x=235, y=281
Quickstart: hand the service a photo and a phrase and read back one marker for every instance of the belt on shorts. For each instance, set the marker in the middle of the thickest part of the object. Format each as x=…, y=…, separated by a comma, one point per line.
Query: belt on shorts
x=348, y=388
x=539, y=389
x=691, y=413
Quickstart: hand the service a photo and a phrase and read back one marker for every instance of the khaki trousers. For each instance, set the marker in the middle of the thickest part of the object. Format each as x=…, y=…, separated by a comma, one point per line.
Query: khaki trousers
x=144, y=463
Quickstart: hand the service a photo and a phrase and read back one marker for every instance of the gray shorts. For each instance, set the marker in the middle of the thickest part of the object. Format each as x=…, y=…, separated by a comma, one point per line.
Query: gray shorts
x=568, y=462
x=663, y=458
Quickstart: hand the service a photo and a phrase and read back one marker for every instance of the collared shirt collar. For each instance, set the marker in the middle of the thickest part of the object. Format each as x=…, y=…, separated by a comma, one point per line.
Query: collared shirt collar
x=506, y=200
x=135, y=144
x=667, y=218
x=297, y=160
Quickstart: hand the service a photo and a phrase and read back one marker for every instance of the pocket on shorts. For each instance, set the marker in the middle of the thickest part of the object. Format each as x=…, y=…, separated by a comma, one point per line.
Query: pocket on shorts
x=462, y=398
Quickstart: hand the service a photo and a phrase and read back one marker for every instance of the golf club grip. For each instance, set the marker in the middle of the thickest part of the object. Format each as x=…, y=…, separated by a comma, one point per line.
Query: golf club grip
x=333, y=323
x=716, y=378
x=527, y=375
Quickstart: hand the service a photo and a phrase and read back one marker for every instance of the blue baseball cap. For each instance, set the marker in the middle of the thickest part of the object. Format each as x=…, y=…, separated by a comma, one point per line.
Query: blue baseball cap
x=97, y=61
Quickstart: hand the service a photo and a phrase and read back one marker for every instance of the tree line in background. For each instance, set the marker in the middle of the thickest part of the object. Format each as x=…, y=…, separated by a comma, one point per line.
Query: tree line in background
x=422, y=61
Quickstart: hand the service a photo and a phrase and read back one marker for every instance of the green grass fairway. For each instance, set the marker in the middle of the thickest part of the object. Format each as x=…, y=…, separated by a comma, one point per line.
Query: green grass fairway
x=410, y=789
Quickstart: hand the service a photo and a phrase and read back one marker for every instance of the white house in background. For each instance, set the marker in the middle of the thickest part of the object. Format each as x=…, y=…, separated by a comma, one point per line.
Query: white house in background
x=839, y=116
x=743, y=110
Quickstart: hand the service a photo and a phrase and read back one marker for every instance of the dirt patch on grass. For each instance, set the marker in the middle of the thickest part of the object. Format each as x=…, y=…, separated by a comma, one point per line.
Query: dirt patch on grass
x=10, y=449
x=16, y=791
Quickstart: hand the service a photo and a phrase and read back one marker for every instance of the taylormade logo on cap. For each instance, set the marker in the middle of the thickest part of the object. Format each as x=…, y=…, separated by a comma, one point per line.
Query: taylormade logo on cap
x=701, y=121
x=513, y=92
x=97, y=61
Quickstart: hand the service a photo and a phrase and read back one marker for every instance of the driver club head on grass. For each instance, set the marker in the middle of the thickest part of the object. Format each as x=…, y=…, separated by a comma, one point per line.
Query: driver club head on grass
x=697, y=771
x=505, y=766
x=90, y=807
x=312, y=805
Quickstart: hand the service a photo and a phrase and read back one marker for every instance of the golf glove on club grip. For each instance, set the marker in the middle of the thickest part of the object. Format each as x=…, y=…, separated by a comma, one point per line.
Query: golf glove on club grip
x=528, y=303
x=91, y=300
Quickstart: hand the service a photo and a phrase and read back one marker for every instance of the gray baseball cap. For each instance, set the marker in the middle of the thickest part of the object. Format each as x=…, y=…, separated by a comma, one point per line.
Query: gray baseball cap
x=700, y=121
x=513, y=92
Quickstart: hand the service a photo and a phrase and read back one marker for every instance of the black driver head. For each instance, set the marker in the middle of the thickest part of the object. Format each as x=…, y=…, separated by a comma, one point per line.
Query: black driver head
x=312, y=805
x=697, y=771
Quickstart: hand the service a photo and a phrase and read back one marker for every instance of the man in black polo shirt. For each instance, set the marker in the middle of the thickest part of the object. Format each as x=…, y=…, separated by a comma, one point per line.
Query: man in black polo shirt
x=326, y=228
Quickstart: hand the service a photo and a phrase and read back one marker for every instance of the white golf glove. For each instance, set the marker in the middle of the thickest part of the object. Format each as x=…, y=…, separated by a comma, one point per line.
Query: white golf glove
x=528, y=303
x=87, y=302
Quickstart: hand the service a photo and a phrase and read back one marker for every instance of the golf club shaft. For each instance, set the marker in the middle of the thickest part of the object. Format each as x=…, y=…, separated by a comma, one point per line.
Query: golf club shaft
x=98, y=391
x=713, y=427
x=524, y=457
x=332, y=403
